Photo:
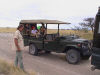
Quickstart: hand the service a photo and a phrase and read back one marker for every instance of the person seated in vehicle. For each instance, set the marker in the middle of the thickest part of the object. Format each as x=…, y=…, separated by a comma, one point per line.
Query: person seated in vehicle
x=27, y=29
x=43, y=30
x=34, y=32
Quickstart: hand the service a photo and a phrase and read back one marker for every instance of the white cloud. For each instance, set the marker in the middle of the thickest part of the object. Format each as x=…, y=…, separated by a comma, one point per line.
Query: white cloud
x=7, y=23
x=9, y=5
x=12, y=11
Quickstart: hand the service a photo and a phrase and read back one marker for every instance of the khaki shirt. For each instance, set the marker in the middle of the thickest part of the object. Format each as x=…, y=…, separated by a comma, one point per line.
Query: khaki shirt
x=18, y=36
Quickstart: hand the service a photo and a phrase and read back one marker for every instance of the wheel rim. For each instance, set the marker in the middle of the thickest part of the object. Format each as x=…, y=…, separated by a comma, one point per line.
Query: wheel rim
x=72, y=57
x=32, y=49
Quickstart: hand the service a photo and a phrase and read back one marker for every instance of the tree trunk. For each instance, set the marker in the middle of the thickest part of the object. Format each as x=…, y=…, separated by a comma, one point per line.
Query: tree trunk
x=92, y=28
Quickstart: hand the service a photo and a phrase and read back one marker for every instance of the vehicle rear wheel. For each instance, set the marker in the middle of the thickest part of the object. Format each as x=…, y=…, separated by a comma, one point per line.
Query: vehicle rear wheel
x=73, y=56
x=33, y=50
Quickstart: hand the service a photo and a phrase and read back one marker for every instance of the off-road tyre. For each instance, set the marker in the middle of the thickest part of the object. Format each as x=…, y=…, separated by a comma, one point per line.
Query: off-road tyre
x=73, y=56
x=33, y=50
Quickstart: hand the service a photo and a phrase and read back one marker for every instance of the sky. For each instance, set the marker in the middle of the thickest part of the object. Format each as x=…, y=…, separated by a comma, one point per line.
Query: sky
x=73, y=11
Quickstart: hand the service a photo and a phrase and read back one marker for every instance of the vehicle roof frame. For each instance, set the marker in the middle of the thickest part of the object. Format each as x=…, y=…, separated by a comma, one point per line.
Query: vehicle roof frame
x=46, y=22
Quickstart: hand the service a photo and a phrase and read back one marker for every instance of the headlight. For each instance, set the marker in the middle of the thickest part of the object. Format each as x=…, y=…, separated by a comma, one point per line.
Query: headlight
x=79, y=45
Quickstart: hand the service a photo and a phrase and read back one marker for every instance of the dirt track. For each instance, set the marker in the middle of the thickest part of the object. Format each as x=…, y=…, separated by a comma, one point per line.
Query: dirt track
x=44, y=64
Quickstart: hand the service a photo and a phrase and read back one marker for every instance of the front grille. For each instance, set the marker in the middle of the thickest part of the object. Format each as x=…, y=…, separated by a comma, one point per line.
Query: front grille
x=88, y=44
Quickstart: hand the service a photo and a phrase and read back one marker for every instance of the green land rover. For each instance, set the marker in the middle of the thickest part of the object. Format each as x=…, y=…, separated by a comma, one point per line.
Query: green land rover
x=74, y=47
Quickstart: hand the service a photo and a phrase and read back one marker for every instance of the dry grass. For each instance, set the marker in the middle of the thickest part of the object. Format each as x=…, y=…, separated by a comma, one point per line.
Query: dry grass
x=82, y=34
x=7, y=29
x=9, y=69
x=88, y=35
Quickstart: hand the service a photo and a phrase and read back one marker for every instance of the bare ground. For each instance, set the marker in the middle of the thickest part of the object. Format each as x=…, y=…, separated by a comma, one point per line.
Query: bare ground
x=44, y=64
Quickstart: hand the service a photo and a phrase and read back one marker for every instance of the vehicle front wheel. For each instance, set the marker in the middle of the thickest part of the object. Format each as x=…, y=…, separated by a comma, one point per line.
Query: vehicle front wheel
x=73, y=56
x=33, y=50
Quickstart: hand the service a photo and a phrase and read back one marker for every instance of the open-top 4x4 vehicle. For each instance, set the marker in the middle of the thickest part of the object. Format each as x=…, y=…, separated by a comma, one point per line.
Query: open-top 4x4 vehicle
x=74, y=47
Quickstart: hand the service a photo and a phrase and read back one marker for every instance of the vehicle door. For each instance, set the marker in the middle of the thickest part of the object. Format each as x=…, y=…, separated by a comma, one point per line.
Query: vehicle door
x=52, y=45
x=96, y=42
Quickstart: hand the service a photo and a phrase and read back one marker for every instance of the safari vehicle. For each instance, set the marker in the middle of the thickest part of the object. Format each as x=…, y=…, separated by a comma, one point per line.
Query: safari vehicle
x=74, y=47
x=95, y=60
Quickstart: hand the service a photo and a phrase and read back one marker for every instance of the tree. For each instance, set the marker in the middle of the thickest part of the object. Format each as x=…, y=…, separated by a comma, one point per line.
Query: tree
x=88, y=23
x=78, y=28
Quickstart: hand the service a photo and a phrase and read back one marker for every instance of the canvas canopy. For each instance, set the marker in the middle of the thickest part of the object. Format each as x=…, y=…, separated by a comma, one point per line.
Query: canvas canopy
x=44, y=21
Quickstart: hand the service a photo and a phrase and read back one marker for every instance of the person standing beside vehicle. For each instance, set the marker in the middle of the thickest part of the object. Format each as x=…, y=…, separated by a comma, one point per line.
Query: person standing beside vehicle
x=19, y=46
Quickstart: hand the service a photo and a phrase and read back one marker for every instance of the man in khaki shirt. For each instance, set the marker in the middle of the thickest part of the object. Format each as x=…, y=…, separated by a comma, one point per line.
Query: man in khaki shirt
x=19, y=46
